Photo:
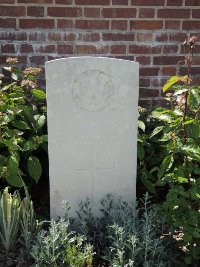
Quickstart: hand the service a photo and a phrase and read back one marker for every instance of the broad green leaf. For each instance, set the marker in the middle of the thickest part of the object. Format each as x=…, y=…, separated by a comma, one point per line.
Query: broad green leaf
x=182, y=179
x=141, y=125
x=22, y=125
x=196, y=94
x=192, y=100
x=39, y=94
x=14, y=76
x=145, y=178
x=187, y=237
x=166, y=165
x=44, y=138
x=34, y=168
x=170, y=82
x=13, y=162
x=188, y=122
x=140, y=152
x=2, y=160
x=14, y=180
x=30, y=145
x=40, y=121
x=156, y=131
x=44, y=146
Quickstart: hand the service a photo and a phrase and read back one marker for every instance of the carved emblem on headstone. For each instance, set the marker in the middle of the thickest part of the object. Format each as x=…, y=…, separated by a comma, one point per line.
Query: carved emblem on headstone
x=93, y=90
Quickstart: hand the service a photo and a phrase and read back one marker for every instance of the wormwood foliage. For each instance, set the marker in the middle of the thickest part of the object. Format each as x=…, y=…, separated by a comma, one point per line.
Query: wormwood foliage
x=125, y=236
x=22, y=125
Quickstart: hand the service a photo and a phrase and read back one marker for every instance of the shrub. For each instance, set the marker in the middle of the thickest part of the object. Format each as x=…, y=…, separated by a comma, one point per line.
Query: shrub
x=178, y=132
x=22, y=125
x=124, y=237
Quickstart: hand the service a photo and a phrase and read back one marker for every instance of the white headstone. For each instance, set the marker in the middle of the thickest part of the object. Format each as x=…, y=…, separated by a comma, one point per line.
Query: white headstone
x=92, y=105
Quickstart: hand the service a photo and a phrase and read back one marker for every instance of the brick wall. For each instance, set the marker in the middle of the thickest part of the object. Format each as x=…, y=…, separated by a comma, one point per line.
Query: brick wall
x=148, y=31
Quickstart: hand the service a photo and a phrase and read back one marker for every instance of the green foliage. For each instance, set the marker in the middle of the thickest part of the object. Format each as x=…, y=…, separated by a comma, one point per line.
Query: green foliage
x=177, y=134
x=124, y=237
x=22, y=126
x=10, y=213
x=61, y=247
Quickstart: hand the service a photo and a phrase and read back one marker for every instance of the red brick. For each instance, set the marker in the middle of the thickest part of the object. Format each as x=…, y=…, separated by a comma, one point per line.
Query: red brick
x=92, y=2
x=192, y=2
x=173, y=13
x=161, y=37
x=92, y=24
x=12, y=11
x=144, y=49
x=88, y=37
x=143, y=92
x=149, y=71
x=196, y=60
x=118, y=49
x=36, y=23
x=69, y=37
x=65, y=49
x=167, y=60
x=168, y=71
x=144, y=82
x=145, y=37
x=37, y=60
x=146, y=25
x=54, y=36
x=172, y=24
x=195, y=13
x=177, y=37
x=120, y=2
x=8, y=48
x=35, y=11
x=7, y=1
x=170, y=49
x=143, y=60
x=146, y=12
x=90, y=12
x=64, y=2
x=7, y=23
x=119, y=25
x=64, y=24
x=37, y=36
x=19, y=36
x=191, y=25
x=193, y=71
x=174, y=2
x=64, y=11
x=26, y=48
x=91, y=49
x=148, y=2
x=158, y=82
x=119, y=12
x=46, y=49
x=35, y=1
x=118, y=36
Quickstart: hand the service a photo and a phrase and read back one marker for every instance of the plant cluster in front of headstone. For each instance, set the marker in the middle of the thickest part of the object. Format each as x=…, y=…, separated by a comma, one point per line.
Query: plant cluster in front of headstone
x=17, y=225
x=59, y=246
x=178, y=169
x=126, y=235
x=22, y=125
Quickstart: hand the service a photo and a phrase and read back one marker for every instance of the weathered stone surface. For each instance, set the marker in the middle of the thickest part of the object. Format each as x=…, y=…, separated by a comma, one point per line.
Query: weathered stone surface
x=92, y=125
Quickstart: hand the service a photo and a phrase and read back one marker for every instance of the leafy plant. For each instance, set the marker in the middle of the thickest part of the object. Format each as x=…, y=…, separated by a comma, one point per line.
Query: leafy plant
x=22, y=125
x=10, y=213
x=60, y=246
x=179, y=171
x=123, y=236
